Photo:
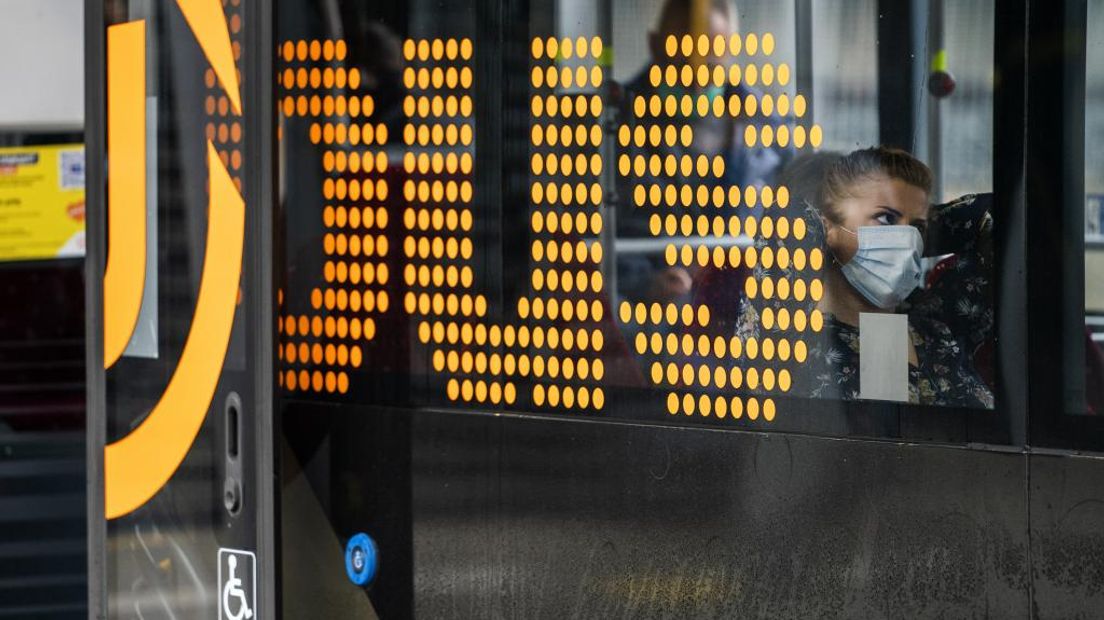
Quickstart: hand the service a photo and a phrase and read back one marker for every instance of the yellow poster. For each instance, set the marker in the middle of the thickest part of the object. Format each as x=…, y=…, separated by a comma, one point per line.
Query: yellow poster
x=41, y=202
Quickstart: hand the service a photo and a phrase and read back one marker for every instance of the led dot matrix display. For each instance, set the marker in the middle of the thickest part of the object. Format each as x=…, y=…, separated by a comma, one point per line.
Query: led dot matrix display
x=223, y=126
x=554, y=351
x=566, y=281
x=437, y=221
x=712, y=224
x=551, y=357
x=318, y=348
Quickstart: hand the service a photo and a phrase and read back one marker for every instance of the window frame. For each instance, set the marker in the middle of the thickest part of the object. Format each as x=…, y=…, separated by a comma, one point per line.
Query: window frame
x=1054, y=178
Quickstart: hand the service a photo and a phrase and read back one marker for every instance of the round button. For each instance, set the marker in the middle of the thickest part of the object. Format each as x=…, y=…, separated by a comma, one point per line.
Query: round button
x=361, y=559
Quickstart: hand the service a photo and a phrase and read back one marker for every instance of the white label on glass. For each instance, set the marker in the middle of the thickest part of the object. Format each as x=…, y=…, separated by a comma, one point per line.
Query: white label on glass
x=883, y=356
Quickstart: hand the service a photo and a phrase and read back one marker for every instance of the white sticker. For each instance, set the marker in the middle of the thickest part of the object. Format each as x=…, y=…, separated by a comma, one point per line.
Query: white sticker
x=71, y=169
x=237, y=581
x=883, y=356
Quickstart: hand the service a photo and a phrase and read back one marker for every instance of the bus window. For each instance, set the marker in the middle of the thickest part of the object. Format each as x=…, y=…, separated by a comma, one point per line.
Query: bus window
x=728, y=221
x=848, y=97
x=1064, y=254
x=964, y=107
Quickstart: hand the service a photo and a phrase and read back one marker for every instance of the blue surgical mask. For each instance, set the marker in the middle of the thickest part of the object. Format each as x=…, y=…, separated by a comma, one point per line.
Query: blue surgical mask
x=886, y=268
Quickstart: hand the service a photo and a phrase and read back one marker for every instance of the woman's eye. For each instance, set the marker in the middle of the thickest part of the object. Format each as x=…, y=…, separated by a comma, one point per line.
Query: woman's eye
x=886, y=219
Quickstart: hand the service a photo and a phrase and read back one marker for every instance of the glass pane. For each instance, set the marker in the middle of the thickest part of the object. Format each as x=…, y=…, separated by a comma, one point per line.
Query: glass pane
x=967, y=111
x=848, y=97
x=179, y=377
x=1094, y=210
x=657, y=211
x=467, y=229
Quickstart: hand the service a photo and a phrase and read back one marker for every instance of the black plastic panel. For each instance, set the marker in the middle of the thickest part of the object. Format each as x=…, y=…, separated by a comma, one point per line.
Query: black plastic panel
x=529, y=517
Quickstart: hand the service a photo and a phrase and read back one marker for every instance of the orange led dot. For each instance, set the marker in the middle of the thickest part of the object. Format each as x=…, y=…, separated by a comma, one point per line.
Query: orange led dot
x=766, y=74
x=816, y=258
x=423, y=49
x=687, y=45
x=816, y=136
x=799, y=290
x=798, y=137
x=688, y=404
x=465, y=48
x=766, y=135
x=670, y=45
x=751, y=44
x=703, y=45
x=799, y=229
x=750, y=136
x=437, y=49
x=799, y=106
x=799, y=320
x=751, y=77
x=816, y=290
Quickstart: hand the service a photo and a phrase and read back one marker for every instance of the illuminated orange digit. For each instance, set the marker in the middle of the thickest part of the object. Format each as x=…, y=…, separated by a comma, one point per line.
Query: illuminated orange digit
x=557, y=346
x=698, y=365
x=320, y=347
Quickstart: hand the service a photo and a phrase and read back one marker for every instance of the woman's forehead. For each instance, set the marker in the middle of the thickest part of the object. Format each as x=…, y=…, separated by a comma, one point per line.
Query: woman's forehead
x=893, y=193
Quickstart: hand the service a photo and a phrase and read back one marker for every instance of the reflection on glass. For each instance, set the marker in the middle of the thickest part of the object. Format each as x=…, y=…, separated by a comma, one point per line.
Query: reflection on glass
x=1094, y=209
x=538, y=224
x=184, y=119
x=870, y=213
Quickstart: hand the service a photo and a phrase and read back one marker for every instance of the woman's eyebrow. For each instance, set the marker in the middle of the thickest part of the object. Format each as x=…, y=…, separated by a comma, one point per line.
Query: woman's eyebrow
x=889, y=208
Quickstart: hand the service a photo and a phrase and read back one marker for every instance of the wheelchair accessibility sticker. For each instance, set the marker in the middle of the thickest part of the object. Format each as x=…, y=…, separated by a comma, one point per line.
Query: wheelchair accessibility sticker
x=237, y=578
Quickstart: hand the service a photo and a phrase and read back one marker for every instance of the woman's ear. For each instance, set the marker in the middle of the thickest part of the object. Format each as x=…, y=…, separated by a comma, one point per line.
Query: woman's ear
x=833, y=242
x=831, y=231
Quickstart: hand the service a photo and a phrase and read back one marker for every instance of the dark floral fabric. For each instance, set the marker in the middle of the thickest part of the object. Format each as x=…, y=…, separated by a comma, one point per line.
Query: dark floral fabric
x=944, y=376
x=950, y=319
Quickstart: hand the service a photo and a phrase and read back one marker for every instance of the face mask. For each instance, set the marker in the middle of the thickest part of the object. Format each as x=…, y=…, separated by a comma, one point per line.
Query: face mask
x=887, y=266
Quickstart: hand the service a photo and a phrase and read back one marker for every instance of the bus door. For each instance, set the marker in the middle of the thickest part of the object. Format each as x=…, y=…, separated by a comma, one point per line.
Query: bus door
x=177, y=308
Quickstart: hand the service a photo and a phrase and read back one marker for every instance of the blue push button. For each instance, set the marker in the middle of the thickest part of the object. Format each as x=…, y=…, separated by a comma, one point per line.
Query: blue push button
x=361, y=559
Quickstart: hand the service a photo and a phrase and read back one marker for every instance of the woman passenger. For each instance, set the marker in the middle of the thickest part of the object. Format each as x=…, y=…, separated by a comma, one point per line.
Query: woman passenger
x=872, y=210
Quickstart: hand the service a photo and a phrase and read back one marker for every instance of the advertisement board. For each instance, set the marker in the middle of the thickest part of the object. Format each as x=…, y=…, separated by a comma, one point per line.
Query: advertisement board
x=41, y=202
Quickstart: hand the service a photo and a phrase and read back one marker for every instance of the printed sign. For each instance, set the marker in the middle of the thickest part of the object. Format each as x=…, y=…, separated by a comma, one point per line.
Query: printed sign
x=41, y=202
x=237, y=580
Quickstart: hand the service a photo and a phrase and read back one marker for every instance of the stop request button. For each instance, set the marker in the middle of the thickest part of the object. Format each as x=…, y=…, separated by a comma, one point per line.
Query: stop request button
x=361, y=559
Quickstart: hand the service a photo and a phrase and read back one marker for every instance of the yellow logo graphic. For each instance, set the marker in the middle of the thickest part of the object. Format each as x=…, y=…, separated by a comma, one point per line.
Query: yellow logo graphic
x=138, y=465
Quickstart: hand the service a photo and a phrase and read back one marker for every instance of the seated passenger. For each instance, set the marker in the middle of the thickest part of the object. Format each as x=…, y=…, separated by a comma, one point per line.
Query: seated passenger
x=645, y=276
x=872, y=217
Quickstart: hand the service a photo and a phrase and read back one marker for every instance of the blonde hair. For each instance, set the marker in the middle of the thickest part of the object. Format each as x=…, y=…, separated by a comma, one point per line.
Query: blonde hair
x=862, y=165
